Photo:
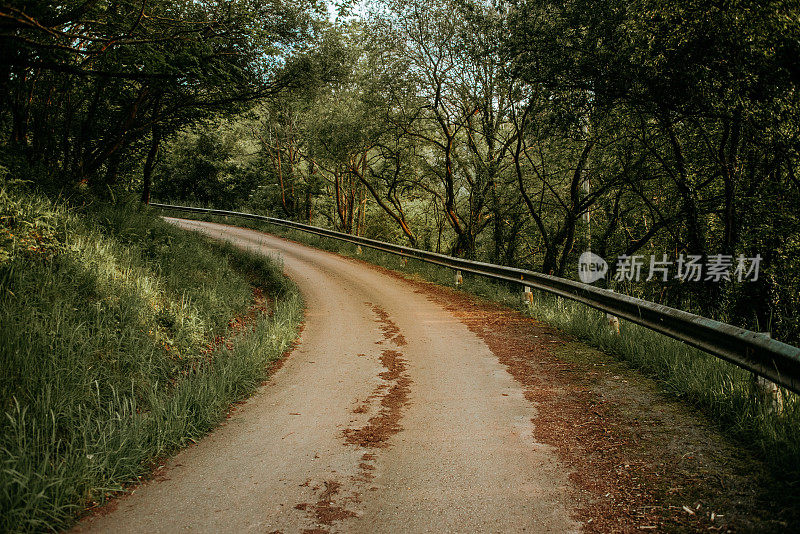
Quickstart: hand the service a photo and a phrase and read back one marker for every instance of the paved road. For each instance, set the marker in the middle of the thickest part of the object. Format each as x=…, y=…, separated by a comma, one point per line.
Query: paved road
x=389, y=416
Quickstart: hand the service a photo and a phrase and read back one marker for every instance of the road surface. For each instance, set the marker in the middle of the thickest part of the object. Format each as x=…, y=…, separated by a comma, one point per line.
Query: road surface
x=389, y=416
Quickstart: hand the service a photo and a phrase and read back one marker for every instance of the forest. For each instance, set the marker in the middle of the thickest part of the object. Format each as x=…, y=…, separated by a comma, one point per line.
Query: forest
x=522, y=133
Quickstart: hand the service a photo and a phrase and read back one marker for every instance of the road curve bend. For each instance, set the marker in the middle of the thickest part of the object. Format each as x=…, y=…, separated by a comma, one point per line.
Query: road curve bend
x=389, y=416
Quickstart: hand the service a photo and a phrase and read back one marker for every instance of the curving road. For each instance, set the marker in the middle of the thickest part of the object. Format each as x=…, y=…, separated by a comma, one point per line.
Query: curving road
x=389, y=416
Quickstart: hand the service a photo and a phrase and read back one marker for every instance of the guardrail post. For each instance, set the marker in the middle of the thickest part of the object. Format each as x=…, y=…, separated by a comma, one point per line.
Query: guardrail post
x=459, y=278
x=768, y=390
x=613, y=322
x=528, y=294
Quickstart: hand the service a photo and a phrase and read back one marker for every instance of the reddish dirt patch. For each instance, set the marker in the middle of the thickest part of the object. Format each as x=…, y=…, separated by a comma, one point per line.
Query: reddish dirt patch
x=386, y=422
x=639, y=459
x=389, y=329
x=325, y=511
x=394, y=393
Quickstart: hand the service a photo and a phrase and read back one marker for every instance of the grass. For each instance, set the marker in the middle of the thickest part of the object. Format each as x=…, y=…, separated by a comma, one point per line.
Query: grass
x=107, y=319
x=724, y=392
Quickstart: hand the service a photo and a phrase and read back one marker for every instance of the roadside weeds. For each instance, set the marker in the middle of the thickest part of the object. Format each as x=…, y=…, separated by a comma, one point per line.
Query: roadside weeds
x=118, y=349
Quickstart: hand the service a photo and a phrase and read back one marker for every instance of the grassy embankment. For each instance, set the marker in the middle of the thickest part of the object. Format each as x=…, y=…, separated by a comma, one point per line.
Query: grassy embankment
x=721, y=390
x=110, y=328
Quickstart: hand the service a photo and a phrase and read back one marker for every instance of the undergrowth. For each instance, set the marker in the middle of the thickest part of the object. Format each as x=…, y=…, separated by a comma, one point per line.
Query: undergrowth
x=723, y=391
x=107, y=360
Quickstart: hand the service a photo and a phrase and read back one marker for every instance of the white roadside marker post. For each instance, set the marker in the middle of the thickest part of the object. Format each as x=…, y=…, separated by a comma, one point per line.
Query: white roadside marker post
x=613, y=321
x=459, y=278
x=528, y=295
x=358, y=249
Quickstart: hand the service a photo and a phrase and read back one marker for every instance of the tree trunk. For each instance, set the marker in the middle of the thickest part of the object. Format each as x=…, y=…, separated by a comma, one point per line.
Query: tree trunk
x=150, y=163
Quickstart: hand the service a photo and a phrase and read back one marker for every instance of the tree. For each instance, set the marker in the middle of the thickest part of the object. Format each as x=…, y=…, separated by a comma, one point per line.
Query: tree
x=84, y=84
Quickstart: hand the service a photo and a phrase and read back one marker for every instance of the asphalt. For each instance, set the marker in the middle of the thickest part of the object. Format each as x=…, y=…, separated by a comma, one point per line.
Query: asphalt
x=452, y=448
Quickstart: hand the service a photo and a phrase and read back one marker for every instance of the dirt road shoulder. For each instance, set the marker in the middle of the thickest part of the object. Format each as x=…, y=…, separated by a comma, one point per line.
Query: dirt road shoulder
x=641, y=459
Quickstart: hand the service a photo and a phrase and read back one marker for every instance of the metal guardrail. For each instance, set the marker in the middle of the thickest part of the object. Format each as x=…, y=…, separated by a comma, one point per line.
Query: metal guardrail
x=750, y=350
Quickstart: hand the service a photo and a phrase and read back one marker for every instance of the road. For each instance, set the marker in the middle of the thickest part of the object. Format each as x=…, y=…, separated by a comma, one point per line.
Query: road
x=389, y=416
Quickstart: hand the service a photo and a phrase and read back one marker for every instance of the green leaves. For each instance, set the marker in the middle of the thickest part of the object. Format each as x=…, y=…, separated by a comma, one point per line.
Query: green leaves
x=88, y=82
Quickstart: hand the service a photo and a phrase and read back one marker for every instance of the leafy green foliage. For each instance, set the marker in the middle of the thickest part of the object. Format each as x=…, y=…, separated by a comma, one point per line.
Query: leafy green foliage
x=207, y=166
x=108, y=353
x=526, y=136
x=88, y=84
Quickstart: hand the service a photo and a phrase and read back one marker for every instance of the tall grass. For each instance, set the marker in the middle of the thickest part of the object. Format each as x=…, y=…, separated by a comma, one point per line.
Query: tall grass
x=723, y=391
x=106, y=316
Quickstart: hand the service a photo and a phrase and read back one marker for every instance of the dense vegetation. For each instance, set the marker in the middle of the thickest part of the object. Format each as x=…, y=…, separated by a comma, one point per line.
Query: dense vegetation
x=90, y=88
x=527, y=136
x=109, y=348
x=521, y=132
